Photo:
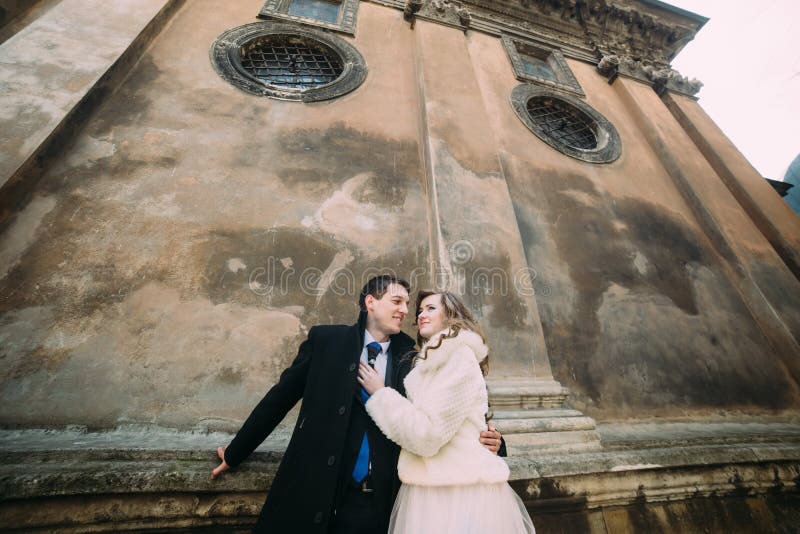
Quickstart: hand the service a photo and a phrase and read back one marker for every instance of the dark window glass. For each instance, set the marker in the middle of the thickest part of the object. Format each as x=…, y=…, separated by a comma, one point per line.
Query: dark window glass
x=288, y=61
x=315, y=9
x=537, y=67
x=563, y=122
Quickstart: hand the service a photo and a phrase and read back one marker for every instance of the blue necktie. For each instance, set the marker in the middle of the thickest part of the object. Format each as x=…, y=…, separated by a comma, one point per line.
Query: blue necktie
x=361, y=470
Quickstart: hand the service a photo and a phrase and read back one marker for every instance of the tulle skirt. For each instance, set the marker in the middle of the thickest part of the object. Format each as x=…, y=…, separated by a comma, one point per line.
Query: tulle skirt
x=475, y=509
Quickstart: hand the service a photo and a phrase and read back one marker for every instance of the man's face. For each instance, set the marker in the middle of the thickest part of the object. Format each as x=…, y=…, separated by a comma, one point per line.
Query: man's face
x=386, y=314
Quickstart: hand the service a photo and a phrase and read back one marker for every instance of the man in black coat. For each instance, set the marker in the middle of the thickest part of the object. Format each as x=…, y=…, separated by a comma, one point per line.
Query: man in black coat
x=315, y=489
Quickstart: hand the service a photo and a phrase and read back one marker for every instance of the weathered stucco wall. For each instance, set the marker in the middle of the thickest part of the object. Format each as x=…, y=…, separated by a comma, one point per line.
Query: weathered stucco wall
x=475, y=231
x=174, y=255
x=639, y=313
x=128, y=296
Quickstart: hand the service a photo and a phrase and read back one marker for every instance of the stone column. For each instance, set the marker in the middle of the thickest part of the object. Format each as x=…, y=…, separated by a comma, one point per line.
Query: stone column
x=477, y=250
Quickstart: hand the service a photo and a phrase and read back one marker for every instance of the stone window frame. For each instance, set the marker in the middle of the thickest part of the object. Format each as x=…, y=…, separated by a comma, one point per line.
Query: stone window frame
x=225, y=56
x=348, y=13
x=554, y=58
x=609, y=145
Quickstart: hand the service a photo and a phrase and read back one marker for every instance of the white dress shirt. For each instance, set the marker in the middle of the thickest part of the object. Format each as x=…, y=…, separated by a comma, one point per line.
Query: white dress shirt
x=383, y=357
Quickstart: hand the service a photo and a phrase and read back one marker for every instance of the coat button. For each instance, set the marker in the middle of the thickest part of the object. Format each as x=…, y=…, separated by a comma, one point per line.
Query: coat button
x=342, y=409
x=352, y=367
x=331, y=460
x=318, y=518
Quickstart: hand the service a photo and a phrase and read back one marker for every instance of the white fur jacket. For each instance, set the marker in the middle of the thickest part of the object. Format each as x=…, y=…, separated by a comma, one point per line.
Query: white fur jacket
x=438, y=426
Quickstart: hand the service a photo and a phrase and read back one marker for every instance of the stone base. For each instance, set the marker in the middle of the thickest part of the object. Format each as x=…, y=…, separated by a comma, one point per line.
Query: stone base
x=677, y=477
x=531, y=416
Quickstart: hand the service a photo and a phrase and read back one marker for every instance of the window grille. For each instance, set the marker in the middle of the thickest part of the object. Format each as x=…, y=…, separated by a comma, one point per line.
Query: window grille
x=566, y=124
x=288, y=61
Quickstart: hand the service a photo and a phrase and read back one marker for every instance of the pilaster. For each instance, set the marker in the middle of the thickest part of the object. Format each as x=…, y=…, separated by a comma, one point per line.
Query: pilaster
x=477, y=250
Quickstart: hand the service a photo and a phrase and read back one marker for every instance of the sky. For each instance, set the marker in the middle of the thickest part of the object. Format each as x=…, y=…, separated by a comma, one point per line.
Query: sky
x=748, y=58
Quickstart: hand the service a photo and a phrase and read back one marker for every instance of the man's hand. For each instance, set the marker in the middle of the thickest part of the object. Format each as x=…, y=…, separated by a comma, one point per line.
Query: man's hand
x=369, y=378
x=491, y=439
x=221, y=467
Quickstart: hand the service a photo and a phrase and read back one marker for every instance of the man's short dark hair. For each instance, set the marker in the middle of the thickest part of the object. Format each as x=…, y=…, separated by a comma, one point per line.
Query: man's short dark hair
x=378, y=286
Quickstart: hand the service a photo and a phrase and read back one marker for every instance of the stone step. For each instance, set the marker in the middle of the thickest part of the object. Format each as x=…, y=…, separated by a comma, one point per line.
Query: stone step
x=536, y=413
x=545, y=424
x=508, y=394
x=532, y=443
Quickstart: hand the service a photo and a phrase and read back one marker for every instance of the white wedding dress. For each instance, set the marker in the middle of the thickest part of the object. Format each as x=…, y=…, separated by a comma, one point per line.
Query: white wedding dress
x=451, y=483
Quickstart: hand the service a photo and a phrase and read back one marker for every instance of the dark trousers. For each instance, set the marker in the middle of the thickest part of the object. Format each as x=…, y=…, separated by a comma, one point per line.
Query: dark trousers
x=356, y=514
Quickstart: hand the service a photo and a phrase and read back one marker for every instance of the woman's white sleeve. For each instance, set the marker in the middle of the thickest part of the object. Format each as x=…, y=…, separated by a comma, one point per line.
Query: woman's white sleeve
x=423, y=429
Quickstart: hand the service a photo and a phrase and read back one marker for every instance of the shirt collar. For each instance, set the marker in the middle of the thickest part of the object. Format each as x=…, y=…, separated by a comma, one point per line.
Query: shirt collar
x=369, y=339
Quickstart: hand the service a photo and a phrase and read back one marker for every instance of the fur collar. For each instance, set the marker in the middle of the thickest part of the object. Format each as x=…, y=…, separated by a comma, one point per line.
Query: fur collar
x=436, y=357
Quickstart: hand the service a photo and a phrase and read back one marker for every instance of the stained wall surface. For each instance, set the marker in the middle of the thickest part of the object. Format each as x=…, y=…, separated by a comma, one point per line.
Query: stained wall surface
x=175, y=254
x=172, y=260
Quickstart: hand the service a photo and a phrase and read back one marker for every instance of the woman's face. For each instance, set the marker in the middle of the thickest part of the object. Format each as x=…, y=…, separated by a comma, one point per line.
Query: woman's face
x=430, y=316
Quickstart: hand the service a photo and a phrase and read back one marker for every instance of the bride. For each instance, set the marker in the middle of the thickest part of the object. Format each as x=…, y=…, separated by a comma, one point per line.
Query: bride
x=451, y=483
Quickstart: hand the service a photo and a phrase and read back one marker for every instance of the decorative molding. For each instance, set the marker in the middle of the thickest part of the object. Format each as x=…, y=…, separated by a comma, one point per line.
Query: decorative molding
x=587, y=30
x=564, y=79
x=348, y=12
x=440, y=11
x=225, y=55
x=609, y=146
x=662, y=79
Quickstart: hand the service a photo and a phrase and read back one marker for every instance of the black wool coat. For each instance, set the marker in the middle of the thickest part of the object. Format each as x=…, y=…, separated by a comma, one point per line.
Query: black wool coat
x=322, y=451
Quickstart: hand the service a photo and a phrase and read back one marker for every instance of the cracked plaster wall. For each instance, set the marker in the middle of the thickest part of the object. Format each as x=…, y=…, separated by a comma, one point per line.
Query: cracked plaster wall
x=172, y=259
x=155, y=276
x=639, y=316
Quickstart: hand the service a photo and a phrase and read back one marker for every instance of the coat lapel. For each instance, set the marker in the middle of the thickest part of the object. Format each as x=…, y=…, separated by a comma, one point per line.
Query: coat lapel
x=355, y=344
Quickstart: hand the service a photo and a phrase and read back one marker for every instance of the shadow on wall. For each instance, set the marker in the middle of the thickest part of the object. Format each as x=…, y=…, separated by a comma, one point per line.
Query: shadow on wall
x=642, y=319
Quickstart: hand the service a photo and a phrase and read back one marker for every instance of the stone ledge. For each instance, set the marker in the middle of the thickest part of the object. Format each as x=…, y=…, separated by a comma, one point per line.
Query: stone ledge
x=78, y=485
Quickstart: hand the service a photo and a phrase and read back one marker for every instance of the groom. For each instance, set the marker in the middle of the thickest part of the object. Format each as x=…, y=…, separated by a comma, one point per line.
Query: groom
x=339, y=472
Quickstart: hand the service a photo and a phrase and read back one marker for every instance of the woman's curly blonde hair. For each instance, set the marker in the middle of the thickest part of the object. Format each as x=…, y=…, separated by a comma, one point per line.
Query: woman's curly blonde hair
x=457, y=318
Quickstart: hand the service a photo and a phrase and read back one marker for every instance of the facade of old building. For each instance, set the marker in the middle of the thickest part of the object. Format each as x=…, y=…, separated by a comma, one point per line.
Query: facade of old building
x=187, y=187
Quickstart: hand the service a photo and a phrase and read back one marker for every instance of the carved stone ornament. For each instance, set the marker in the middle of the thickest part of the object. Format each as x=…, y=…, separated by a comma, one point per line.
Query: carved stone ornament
x=440, y=11
x=608, y=66
x=651, y=31
x=227, y=53
x=662, y=79
x=595, y=140
x=345, y=22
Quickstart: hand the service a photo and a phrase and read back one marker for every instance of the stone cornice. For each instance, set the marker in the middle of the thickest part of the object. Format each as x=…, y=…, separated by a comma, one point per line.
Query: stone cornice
x=662, y=79
x=646, y=30
x=643, y=35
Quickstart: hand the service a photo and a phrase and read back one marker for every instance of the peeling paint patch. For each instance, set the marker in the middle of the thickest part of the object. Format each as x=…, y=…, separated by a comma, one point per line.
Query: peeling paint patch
x=344, y=216
x=235, y=265
x=88, y=150
x=339, y=262
x=640, y=263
